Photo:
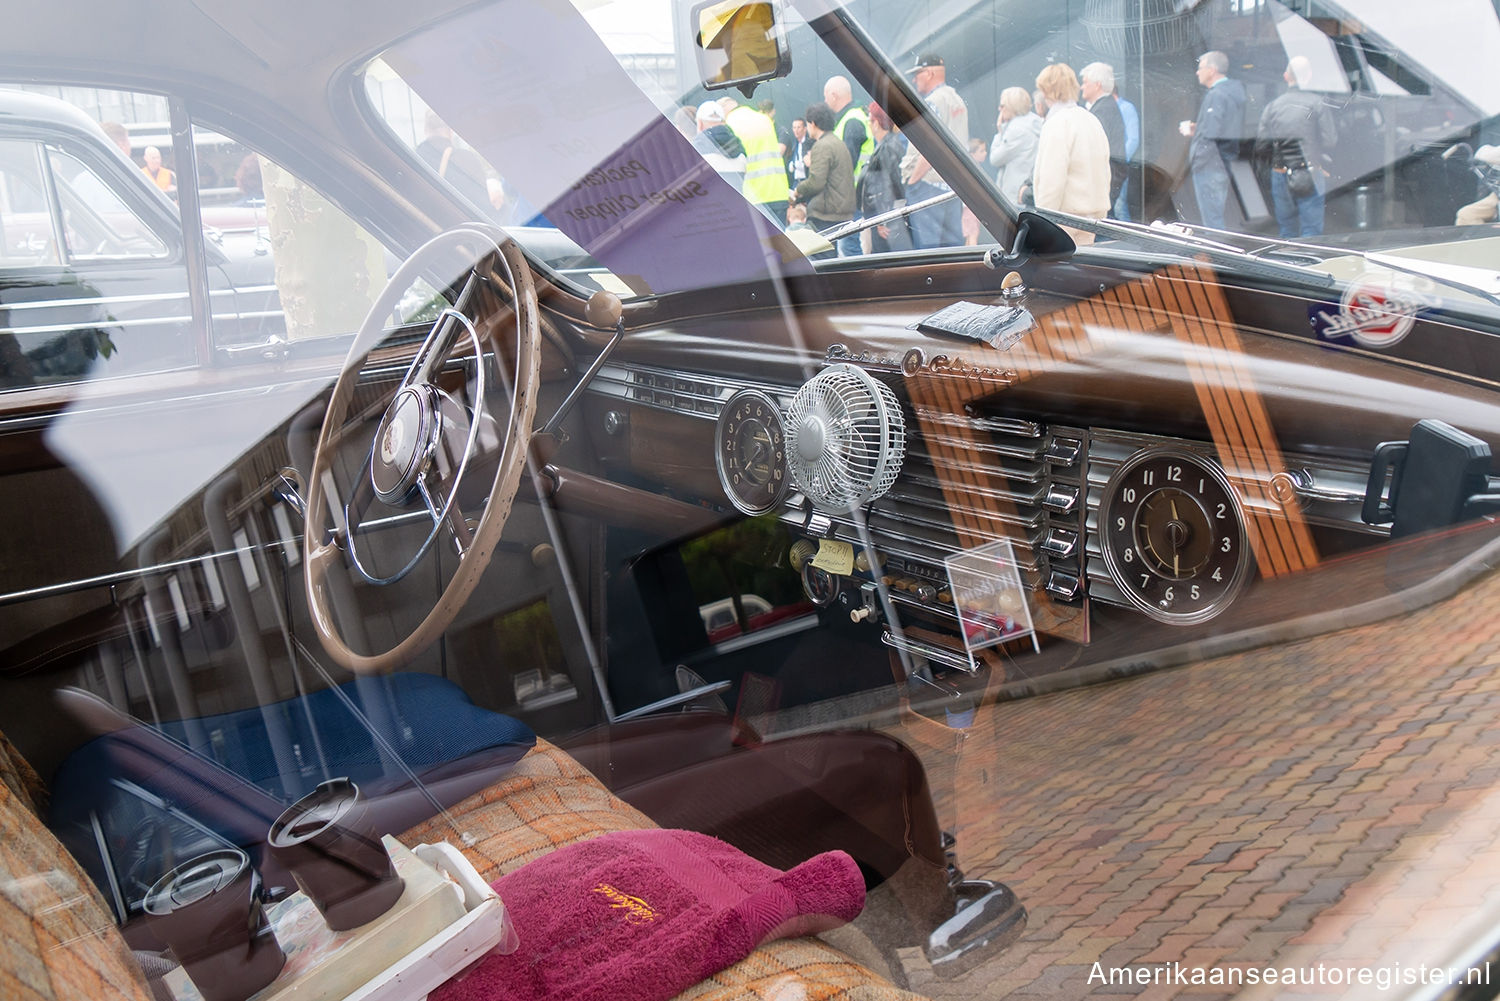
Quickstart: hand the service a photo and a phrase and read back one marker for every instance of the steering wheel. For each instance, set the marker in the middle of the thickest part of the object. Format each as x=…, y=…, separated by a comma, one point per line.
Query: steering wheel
x=425, y=440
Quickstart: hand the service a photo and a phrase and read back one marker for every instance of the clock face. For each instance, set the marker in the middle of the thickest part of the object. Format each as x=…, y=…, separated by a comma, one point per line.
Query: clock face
x=750, y=452
x=1173, y=535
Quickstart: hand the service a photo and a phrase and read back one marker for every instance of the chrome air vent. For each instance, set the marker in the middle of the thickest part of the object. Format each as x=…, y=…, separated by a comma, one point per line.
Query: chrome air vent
x=689, y=393
x=969, y=481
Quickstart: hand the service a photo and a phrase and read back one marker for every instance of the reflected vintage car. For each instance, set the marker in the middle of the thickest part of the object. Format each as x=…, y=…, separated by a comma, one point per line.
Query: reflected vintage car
x=1069, y=603
x=90, y=240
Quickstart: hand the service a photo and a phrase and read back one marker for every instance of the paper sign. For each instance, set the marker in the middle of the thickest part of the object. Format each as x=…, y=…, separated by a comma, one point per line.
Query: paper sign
x=989, y=597
x=835, y=557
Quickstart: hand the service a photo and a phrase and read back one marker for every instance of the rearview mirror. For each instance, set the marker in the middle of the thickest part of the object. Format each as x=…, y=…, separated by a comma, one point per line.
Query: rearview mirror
x=738, y=44
x=1036, y=236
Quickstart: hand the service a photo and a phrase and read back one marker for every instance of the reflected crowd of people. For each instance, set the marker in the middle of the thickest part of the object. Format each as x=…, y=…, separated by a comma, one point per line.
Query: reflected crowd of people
x=1067, y=143
x=838, y=162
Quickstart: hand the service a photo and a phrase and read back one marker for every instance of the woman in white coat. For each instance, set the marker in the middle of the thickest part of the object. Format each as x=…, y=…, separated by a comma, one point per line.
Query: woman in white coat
x=1072, y=154
x=1014, y=147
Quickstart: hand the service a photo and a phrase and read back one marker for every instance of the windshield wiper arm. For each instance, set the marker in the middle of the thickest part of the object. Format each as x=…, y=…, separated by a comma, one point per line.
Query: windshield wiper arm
x=1227, y=252
x=1257, y=260
x=1274, y=252
x=1217, y=251
x=1387, y=261
x=860, y=225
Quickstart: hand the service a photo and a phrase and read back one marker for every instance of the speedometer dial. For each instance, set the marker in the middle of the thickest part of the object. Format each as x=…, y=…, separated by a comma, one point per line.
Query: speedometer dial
x=1173, y=535
x=750, y=452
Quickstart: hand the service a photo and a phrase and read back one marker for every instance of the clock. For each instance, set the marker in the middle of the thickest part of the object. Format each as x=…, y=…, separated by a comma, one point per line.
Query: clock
x=1172, y=531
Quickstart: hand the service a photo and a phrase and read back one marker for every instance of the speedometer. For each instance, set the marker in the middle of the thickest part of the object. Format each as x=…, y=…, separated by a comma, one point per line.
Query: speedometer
x=1173, y=535
x=750, y=452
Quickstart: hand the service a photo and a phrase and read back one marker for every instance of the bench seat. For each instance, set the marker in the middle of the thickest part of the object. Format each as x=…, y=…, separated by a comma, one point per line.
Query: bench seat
x=61, y=945
x=549, y=800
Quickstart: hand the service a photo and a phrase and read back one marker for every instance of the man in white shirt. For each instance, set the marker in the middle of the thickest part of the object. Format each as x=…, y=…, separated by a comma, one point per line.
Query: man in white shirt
x=941, y=225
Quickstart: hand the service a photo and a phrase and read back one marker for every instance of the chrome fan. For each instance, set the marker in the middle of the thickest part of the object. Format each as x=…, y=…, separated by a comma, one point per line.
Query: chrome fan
x=845, y=438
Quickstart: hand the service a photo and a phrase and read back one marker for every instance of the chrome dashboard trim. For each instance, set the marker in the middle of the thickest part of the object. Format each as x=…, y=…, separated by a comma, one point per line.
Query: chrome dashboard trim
x=124, y=576
x=991, y=476
x=929, y=650
x=1329, y=491
x=998, y=425
x=689, y=394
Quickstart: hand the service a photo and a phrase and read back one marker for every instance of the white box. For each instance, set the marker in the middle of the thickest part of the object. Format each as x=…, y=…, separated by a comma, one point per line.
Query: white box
x=446, y=919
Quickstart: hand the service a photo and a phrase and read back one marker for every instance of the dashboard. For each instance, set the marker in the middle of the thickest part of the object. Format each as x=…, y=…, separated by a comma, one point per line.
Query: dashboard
x=889, y=497
x=1126, y=468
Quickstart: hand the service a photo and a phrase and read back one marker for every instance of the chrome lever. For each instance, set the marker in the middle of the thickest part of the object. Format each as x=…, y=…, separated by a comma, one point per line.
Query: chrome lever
x=289, y=489
x=604, y=309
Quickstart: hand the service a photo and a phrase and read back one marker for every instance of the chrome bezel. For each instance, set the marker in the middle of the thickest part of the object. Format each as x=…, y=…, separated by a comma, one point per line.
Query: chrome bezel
x=1211, y=469
x=810, y=574
x=720, y=430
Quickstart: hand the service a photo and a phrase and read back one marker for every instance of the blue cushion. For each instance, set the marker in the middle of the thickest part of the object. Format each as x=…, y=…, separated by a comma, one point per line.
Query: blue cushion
x=426, y=720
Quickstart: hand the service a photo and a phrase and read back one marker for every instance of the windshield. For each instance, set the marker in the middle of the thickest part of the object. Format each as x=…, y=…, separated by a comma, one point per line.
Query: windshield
x=1350, y=128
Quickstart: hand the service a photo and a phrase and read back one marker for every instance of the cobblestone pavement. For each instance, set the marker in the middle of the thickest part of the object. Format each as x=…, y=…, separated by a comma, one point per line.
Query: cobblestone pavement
x=1332, y=801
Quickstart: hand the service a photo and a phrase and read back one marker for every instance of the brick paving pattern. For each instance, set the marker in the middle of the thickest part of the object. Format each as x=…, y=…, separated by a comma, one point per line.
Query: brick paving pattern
x=1332, y=801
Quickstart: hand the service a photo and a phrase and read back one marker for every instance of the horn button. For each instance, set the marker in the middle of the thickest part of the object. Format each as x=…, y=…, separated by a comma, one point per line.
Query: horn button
x=404, y=443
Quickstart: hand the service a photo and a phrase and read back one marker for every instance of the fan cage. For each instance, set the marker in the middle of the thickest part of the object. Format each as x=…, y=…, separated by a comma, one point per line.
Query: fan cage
x=862, y=435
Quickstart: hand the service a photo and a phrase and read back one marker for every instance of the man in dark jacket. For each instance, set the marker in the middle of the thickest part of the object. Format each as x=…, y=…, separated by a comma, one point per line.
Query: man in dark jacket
x=1098, y=92
x=879, y=188
x=1215, y=136
x=1296, y=129
x=828, y=191
x=798, y=146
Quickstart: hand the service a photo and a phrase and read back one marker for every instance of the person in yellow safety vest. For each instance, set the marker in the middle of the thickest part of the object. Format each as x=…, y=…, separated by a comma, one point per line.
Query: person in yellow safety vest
x=853, y=125
x=161, y=176
x=765, y=171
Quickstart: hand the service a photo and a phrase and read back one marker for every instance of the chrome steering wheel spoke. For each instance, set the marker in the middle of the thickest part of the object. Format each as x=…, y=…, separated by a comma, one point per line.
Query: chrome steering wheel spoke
x=446, y=513
x=408, y=455
x=438, y=344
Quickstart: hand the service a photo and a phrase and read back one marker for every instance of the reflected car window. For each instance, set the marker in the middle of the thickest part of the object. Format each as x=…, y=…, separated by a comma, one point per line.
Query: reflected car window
x=98, y=222
x=31, y=237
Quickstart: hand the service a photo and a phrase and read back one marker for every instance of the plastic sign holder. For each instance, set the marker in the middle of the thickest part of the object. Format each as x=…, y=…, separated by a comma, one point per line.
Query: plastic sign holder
x=989, y=597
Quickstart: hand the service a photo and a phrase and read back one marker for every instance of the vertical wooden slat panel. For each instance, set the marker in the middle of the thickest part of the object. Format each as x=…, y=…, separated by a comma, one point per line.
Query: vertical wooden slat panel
x=1238, y=420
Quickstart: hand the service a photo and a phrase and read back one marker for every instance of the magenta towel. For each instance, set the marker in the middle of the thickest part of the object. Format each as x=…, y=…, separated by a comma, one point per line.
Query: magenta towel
x=642, y=915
